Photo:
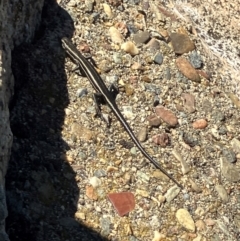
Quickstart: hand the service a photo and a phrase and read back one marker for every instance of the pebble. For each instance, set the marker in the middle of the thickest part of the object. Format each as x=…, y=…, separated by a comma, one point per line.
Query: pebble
x=95, y=182
x=141, y=37
x=154, y=121
x=90, y=193
x=187, y=69
x=161, y=139
x=230, y=171
x=229, y=155
x=158, y=236
x=82, y=132
x=159, y=175
x=172, y=193
x=158, y=58
x=143, y=176
x=80, y=215
x=115, y=35
x=200, y=225
x=235, y=143
x=185, y=167
x=166, y=115
x=142, y=193
x=222, y=193
x=130, y=47
x=210, y=222
x=195, y=187
x=235, y=100
x=107, y=10
x=181, y=43
x=188, y=102
x=123, y=202
x=105, y=223
x=195, y=60
x=142, y=134
x=153, y=45
x=161, y=198
x=82, y=92
x=185, y=219
x=168, y=73
x=200, y=124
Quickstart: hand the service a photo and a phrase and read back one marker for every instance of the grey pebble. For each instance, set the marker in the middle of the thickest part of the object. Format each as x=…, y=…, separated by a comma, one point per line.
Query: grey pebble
x=158, y=58
x=230, y=171
x=168, y=74
x=100, y=173
x=195, y=59
x=141, y=37
x=105, y=224
x=82, y=92
x=229, y=155
x=222, y=193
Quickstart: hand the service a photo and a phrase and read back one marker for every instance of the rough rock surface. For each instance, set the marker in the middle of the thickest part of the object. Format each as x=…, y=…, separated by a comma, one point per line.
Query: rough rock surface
x=18, y=23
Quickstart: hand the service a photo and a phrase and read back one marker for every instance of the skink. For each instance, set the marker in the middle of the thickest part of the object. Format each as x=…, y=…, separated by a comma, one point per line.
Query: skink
x=101, y=88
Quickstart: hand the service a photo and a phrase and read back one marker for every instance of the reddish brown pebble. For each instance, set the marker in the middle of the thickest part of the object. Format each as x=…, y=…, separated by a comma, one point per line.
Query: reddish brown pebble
x=187, y=69
x=200, y=124
x=161, y=139
x=166, y=115
x=154, y=121
x=123, y=202
x=90, y=192
x=203, y=74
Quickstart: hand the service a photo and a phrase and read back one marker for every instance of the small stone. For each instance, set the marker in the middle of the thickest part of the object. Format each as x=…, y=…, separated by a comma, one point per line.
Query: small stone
x=142, y=134
x=185, y=167
x=107, y=10
x=146, y=79
x=195, y=187
x=230, y=171
x=142, y=193
x=188, y=102
x=235, y=143
x=95, y=182
x=141, y=37
x=153, y=45
x=90, y=193
x=158, y=236
x=154, y=121
x=123, y=202
x=161, y=198
x=195, y=60
x=200, y=124
x=200, y=225
x=105, y=225
x=80, y=215
x=172, y=193
x=129, y=90
x=222, y=193
x=235, y=100
x=130, y=47
x=229, y=155
x=158, y=58
x=166, y=115
x=161, y=139
x=82, y=92
x=112, y=169
x=82, y=132
x=185, y=219
x=181, y=43
x=159, y=175
x=115, y=35
x=187, y=69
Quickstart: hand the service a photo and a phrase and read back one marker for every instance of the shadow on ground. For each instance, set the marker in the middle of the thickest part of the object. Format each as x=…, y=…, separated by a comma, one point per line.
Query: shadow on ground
x=42, y=193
